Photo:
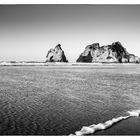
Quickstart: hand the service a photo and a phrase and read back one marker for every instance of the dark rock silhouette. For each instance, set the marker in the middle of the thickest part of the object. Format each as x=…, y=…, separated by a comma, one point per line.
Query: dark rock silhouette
x=56, y=55
x=114, y=53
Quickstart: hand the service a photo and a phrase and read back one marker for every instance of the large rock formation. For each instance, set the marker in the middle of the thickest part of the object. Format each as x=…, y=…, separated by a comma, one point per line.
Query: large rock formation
x=56, y=55
x=114, y=53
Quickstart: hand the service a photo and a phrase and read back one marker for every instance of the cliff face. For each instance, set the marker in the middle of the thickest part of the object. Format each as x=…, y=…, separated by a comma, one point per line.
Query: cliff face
x=114, y=53
x=56, y=55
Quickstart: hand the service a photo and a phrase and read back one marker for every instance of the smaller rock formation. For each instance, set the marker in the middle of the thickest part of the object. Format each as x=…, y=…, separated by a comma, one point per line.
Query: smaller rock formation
x=114, y=53
x=56, y=55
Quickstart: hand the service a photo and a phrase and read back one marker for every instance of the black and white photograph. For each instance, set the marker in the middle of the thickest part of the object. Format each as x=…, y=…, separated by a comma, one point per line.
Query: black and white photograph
x=69, y=69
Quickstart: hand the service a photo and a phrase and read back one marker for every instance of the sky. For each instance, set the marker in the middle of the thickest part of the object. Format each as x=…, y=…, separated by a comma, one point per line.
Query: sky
x=27, y=32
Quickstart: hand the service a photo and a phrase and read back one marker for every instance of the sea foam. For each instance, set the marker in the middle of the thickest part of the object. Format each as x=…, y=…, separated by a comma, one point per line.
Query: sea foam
x=101, y=126
x=134, y=113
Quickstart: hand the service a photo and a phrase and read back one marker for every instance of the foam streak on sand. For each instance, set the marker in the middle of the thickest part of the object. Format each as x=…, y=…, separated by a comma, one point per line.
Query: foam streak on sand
x=101, y=126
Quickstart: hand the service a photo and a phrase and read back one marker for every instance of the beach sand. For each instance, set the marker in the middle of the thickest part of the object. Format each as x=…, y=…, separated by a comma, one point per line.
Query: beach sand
x=61, y=101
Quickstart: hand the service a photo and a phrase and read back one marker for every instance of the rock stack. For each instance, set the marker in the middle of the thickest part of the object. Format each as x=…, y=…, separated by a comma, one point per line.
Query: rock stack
x=114, y=53
x=56, y=55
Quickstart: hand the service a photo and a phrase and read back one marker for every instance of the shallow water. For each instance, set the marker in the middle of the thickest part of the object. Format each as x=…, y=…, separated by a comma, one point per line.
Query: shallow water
x=41, y=100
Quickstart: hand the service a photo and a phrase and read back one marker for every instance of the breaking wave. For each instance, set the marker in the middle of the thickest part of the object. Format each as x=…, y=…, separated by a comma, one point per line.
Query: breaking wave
x=102, y=126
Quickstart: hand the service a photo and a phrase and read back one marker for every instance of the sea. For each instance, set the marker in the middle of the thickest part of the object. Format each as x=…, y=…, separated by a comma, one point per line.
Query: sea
x=68, y=100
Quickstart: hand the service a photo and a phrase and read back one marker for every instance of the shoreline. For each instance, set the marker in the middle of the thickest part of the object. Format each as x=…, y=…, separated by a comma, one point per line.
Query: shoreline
x=102, y=127
x=20, y=63
x=130, y=126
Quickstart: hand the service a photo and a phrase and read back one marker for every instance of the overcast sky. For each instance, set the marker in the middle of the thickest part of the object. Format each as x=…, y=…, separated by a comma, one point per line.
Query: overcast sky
x=27, y=32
